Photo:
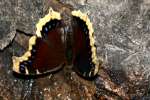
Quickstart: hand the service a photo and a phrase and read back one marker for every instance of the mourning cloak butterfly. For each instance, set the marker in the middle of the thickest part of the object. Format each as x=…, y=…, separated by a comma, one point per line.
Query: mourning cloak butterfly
x=46, y=52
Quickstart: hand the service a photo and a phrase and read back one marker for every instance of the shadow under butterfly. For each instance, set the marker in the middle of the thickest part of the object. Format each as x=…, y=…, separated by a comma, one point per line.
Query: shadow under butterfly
x=47, y=51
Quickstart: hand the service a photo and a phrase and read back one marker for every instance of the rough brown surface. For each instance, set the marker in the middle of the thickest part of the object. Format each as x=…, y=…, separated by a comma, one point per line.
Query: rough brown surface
x=122, y=31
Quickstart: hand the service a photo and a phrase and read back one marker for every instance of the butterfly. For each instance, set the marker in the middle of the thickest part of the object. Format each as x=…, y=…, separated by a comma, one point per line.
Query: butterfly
x=47, y=52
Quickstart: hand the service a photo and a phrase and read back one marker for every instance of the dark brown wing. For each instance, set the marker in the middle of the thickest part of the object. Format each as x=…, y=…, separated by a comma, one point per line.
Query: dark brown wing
x=85, y=59
x=46, y=50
